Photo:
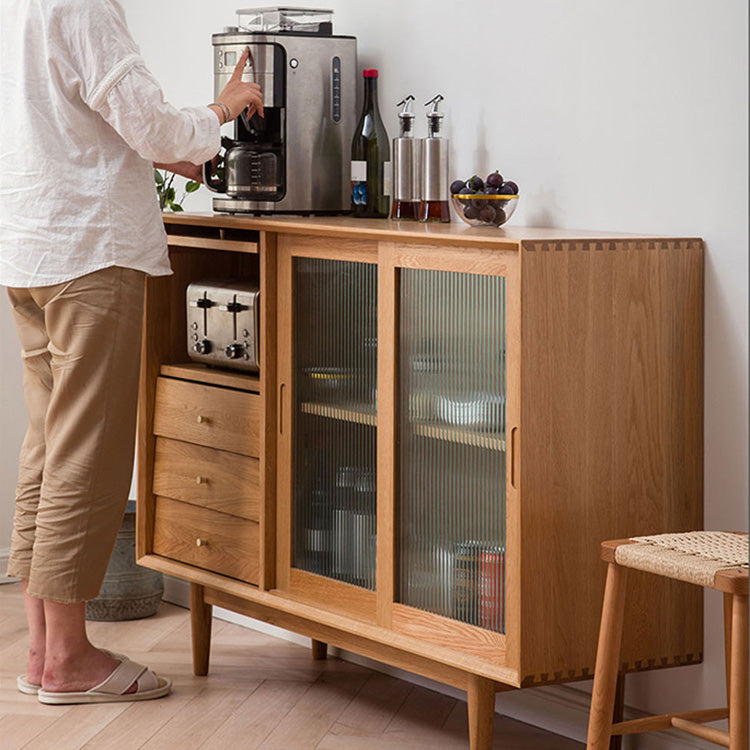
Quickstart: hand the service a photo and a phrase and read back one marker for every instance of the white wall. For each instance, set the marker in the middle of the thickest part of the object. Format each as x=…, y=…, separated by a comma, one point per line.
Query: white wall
x=610, y=115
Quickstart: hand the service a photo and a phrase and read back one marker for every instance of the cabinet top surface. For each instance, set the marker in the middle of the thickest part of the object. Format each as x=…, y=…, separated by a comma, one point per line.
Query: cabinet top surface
x=508, y=237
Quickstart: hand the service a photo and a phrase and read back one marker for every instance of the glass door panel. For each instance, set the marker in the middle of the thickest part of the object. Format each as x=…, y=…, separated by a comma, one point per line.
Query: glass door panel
x=452, y=344
x=335, y=393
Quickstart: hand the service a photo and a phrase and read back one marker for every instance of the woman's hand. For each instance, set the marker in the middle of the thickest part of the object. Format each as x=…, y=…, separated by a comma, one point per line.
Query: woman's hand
x=237, y=95
x=185, y=169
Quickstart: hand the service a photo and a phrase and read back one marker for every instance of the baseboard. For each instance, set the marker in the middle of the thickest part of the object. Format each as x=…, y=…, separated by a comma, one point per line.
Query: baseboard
x=560, y=709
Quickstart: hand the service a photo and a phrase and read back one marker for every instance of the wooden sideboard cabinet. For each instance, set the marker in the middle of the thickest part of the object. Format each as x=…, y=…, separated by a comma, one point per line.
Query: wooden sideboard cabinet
x=446, y=423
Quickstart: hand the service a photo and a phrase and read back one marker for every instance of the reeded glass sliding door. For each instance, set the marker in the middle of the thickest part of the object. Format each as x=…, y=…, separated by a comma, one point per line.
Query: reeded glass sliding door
x=335, y=391
x=451, y=504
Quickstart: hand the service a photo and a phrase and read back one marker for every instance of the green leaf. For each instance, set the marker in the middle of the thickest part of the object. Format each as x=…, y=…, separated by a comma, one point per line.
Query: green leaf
x=192, y=186
x=170, y=193
x=159, y=177
x=177, y=207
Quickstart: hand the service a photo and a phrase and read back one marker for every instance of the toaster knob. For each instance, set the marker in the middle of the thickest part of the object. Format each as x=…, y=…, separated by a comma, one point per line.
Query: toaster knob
x=233, y=307
x=202, y=347
x=235, y=351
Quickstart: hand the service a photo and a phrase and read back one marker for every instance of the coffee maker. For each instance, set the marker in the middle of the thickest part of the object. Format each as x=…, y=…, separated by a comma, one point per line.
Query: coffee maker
x=297, y=158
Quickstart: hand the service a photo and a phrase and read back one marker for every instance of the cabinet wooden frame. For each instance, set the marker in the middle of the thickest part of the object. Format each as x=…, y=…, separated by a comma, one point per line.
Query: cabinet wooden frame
x=604, y=439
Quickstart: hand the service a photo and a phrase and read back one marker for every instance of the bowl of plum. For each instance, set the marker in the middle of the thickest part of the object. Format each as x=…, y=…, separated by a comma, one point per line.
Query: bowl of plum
x=488, y=202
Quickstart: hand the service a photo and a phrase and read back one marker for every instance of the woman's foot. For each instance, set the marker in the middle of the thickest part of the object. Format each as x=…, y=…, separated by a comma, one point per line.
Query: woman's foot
x=35, y=666
x=67, y=673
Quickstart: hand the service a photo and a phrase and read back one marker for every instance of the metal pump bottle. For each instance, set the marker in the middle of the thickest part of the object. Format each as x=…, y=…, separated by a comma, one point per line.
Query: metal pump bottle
x=406, y=166
x=434, y=205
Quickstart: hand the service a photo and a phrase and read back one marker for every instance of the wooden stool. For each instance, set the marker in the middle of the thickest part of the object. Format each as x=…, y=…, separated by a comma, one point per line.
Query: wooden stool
x=716, y=560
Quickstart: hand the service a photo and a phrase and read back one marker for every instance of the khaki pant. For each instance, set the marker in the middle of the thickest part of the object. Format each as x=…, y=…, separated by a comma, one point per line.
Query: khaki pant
x=81, y=344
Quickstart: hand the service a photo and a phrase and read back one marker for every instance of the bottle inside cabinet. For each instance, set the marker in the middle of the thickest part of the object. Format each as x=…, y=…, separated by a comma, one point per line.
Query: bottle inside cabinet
x=452, y=446
x=335, y=391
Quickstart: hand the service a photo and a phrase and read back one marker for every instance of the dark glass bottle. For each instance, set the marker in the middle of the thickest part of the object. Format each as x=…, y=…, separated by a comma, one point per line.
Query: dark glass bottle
x=371, y=157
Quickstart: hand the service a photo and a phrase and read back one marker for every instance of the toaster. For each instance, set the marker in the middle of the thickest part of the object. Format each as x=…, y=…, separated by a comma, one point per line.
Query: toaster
x=223, y=324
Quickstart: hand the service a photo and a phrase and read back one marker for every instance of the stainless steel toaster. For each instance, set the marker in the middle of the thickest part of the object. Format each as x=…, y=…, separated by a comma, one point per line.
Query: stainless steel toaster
x=223, y=326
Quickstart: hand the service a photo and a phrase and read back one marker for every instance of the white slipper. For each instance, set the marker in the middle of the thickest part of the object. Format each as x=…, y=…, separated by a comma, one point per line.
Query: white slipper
x=112, y=690
x=26, y=687
x=30, y=688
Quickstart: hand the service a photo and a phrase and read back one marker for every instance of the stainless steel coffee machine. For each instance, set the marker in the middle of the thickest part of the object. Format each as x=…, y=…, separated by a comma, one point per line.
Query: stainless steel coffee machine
x=296, y=159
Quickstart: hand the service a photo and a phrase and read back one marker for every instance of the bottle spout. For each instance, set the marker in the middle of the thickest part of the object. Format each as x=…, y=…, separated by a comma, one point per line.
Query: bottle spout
x=434, y=116
x=406, y=117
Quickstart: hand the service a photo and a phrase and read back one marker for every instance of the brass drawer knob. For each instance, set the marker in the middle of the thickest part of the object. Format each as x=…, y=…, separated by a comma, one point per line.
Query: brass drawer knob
x=201, y=480
x=201, y=543
x=200, y=419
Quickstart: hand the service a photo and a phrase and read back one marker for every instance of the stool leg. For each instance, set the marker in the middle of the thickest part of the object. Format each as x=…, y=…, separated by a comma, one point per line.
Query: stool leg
x=607, y=659
x=738, y=688
x=615, y=743
x=728, y=641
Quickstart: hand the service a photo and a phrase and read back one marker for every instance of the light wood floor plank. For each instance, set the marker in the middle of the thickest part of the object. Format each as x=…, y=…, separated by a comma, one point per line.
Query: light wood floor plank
x=262, y=693
x=198, y=719
x=16, y=730
x=75, y=726
x=258, y=716
x=320, y=706
x=374, y=707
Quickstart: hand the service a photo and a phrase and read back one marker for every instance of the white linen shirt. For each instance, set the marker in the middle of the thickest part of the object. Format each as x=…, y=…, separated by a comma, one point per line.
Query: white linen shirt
x=81, y=121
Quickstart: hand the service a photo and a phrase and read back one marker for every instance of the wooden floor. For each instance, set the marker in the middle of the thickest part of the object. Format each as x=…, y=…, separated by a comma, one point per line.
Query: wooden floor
x=262, y=692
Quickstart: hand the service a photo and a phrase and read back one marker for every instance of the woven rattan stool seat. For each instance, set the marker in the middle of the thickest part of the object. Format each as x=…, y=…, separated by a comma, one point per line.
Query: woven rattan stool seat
x=712, y=559
x=694, y=556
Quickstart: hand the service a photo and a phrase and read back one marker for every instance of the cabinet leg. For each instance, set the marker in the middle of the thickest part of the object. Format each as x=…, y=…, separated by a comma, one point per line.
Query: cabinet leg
x=481, y=706
x=319, y=650
x=200, y=625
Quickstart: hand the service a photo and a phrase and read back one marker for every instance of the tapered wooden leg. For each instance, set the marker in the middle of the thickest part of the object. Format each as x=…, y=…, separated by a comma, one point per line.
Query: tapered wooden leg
x=607, y=660
x=481, y=700
x=200, y=625
x=728, y=640
x=319, y=650
x=615, y=743
x=738, y=688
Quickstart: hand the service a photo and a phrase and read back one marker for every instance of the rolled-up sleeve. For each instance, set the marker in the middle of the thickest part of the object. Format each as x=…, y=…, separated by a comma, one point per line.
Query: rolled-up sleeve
x=134, y=105
x=111, y=78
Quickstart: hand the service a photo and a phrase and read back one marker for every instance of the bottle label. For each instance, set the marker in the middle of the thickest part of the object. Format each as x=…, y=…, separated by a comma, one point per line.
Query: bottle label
x=387, y=178
x=359, y=183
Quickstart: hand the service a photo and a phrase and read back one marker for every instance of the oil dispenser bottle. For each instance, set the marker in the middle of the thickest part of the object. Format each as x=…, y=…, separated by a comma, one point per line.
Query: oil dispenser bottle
x=434, y=205
x=406, y=166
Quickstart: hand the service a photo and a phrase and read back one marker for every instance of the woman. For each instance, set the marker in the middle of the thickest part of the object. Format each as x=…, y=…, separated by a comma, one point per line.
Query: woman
x=83, y=122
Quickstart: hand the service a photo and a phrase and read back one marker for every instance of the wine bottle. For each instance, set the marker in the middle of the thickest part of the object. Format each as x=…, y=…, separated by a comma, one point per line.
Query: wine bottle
x=371, y=157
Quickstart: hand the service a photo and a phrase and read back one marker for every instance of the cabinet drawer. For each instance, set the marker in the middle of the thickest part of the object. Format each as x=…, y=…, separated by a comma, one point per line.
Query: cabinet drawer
x=213, y=479
x=203, y=414
x=207, y=539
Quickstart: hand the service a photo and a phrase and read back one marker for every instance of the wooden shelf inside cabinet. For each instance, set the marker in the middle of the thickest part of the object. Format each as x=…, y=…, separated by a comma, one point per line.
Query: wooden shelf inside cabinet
x=456, y=434
x=198, y=373
x=208, y=243
x=362, y=415
x=193, y=232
